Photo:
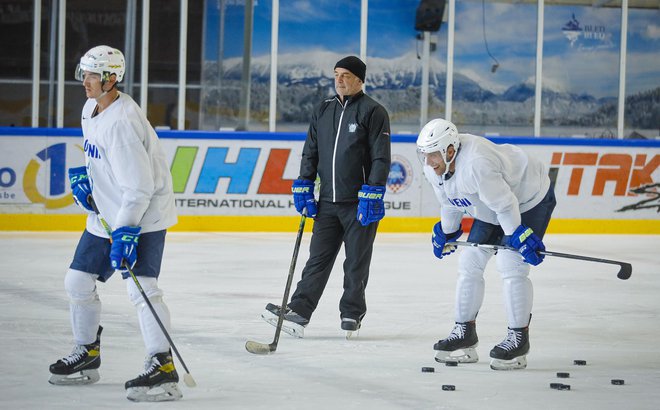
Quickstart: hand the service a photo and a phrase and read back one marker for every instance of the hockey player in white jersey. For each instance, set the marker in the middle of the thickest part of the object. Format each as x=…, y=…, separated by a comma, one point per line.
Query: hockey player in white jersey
x=127, y=177
x=511, y=199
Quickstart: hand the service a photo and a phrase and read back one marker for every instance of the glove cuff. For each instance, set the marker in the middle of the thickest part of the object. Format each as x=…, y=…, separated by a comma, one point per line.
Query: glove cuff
x=78, y=170
x=370, y=192
x=455, y=235
x=118, y=233
x=448, y=236
x=520, y=235
x=302, y=186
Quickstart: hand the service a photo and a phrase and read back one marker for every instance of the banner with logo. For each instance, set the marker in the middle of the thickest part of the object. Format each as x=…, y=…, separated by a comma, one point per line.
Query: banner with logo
x=246, y=174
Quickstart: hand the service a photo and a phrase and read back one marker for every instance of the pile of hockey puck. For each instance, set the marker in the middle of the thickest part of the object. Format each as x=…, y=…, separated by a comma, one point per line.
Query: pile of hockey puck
x=566, y=375
x=561, y=386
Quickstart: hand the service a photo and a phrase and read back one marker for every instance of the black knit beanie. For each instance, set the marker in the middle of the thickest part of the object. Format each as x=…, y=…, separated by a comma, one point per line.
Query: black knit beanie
x=354, y=65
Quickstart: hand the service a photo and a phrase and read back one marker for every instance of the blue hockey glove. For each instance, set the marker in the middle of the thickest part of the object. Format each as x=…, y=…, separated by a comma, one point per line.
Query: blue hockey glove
x=371, y=207
x=303, y=196
x=528, y=244
x=440, y=239
x=80, y=187
x=124, y=246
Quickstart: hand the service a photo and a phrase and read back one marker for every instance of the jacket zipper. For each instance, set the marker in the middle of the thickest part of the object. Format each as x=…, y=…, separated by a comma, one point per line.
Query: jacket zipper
x=334, y=154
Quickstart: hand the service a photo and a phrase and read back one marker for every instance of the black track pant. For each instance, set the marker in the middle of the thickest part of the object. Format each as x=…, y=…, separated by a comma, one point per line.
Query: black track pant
x=336, y=223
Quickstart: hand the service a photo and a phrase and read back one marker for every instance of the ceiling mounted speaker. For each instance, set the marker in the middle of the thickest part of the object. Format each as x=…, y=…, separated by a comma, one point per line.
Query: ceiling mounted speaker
x=429, y=15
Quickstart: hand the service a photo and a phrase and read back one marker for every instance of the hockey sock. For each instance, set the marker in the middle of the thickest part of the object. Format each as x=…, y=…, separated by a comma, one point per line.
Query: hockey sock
x=154, y=338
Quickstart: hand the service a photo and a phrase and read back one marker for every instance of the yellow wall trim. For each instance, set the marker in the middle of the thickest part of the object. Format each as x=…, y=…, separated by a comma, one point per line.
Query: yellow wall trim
x=190, y=223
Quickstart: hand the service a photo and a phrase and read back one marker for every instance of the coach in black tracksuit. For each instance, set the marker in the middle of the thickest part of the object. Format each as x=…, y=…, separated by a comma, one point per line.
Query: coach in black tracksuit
x=348, y=147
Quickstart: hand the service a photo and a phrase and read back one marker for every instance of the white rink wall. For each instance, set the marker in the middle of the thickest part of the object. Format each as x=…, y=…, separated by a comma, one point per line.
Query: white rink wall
x=609, y=186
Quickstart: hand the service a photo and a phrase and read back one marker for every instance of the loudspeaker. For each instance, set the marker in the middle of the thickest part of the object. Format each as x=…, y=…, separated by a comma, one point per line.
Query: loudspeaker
x=429, y=15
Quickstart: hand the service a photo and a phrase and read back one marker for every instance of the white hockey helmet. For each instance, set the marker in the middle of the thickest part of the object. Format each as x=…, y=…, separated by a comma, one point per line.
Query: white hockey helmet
x=437, y=136
x=102, y=60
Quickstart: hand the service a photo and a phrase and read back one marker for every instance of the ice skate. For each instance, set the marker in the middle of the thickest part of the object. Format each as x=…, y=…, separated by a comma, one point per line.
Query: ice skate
x=351, y=326
x=511, y=353
x=460, y=345
x=80, y=367
x=293, y=324
x=158, y=382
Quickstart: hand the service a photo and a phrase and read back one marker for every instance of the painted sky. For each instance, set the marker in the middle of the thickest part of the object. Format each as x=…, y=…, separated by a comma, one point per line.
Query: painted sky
x=588, y=65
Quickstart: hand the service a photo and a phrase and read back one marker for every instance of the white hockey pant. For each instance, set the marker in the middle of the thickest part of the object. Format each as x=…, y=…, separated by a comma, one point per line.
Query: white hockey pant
x=154, y=338
x=84, y=305
x=517, y=288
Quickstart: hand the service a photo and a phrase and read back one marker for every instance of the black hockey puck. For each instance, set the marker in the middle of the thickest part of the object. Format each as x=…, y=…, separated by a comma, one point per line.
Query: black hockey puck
x=428, y=369
x=564, y=387
x=451, y=363
x=618, y=382
x=580, y=362
x=563, y=375
x=555, y=385
x=448, y=387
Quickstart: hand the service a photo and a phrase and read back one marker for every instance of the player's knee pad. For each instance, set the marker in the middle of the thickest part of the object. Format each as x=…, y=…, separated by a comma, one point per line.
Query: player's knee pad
x=80, y=287
x=149, y=286
x=511, y=265
x=472, y=262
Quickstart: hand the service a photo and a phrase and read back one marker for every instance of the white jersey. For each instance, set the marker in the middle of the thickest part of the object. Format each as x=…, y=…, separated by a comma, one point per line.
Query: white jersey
x=493, y=183
x=130, y=178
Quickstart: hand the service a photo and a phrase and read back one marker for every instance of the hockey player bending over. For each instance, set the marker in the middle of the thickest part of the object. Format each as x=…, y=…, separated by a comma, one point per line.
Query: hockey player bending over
x=127, y=176
x=511, y=199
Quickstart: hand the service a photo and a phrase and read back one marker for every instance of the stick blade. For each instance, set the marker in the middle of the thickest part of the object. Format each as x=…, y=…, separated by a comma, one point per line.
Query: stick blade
x=189, y=381
x=625, y=271
x=258, y=348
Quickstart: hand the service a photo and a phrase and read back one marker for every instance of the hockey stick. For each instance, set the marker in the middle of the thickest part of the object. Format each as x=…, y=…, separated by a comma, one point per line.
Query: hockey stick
x=263, y=348
x=625, y=269
x=187, y=378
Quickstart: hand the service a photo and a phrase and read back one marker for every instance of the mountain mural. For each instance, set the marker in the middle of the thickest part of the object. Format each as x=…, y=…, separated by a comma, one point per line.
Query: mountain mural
x=305, y=79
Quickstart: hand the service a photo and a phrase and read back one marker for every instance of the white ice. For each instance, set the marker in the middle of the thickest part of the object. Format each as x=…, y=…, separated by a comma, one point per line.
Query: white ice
x=217, y=284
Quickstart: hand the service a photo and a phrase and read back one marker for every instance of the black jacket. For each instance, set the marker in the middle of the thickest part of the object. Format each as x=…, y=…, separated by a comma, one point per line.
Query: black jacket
x=347, y=146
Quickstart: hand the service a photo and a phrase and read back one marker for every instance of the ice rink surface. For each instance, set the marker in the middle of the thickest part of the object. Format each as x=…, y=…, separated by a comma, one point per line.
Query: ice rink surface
x=217, y=284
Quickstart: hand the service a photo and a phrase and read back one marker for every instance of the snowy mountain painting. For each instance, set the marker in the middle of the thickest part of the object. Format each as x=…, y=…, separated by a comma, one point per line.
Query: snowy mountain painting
x=580, y=65
x=306, y=78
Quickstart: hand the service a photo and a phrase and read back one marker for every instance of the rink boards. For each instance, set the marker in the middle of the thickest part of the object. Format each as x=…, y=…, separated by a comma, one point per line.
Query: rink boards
x=240, y=181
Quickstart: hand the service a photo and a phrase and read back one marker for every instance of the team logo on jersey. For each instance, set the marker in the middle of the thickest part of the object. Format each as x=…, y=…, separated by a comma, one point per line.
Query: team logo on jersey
x=460, y=202
x=91, y=150
x=352, y=127
x=400, y=176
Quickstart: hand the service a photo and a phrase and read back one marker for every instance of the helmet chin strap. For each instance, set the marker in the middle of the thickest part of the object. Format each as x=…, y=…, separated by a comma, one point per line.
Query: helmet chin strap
x=448, y=174
x=104, y=93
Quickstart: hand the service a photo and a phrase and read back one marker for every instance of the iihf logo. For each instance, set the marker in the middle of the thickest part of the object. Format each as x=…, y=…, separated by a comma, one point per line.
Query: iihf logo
x=400, y=176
